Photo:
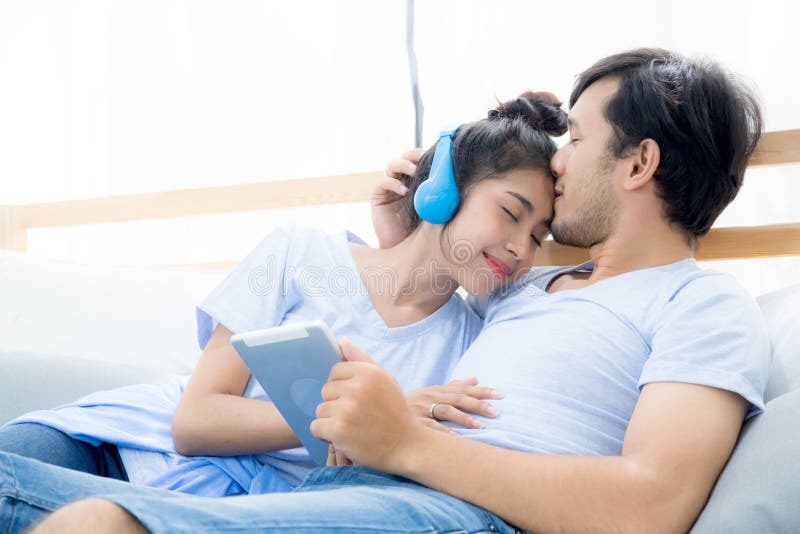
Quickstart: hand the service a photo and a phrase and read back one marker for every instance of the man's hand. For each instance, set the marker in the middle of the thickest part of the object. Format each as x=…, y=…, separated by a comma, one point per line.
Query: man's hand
x=386, y=202
x=364, y=413
x=452, y=401
x=336, y=458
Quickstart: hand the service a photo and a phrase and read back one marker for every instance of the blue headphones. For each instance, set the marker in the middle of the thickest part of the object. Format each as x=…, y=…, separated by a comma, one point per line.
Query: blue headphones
x=437, y=198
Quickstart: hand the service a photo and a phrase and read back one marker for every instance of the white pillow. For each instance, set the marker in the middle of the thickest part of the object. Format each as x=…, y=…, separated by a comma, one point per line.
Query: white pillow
x=137, y=316
x=781, y=311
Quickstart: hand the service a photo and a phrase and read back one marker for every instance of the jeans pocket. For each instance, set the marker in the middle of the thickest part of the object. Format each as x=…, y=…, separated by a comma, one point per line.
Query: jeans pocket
x=495, y=524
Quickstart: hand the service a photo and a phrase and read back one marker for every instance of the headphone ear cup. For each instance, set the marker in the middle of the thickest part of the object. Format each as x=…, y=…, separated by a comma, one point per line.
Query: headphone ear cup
x=436, y=201
x=437, y=198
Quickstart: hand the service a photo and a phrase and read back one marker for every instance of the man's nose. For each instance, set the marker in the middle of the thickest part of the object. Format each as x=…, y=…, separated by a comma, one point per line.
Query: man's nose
x=558, y=162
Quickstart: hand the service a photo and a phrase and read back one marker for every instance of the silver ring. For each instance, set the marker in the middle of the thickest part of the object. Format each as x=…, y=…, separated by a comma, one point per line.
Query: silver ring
x=430, y=411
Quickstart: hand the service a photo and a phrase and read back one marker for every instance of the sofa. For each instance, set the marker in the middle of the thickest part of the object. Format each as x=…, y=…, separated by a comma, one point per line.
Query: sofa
x=70, y=329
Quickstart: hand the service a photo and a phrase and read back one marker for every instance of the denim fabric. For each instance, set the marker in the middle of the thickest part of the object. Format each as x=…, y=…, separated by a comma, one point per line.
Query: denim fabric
x=330, y=499
x=52, y=446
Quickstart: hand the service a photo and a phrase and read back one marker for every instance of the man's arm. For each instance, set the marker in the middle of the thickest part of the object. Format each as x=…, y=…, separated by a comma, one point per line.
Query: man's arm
x=679, y=439
x=386, y=203
x=677, y=443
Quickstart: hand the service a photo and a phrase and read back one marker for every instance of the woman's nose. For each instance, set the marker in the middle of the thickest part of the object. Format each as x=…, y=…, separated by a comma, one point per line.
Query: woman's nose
x=520, y=248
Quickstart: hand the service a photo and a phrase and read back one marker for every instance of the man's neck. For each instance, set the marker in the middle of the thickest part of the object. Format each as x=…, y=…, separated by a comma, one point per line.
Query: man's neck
x=621, y=254
x=630, y=248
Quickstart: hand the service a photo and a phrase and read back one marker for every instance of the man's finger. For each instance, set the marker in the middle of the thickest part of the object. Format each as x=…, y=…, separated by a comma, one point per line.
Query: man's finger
x=321, y=428
x=331, y=391
x=399, y=167
x=393, y=184
x=414, y=154
x=341, y=459
x=352, y=353
x=346, y=370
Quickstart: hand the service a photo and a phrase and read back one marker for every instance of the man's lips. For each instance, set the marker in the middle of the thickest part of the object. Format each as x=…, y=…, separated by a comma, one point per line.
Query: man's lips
x=558, y=194
x=497, y=265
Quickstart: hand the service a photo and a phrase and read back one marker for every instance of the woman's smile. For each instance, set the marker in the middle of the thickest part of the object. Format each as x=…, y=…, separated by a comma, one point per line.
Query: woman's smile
x=497, y=266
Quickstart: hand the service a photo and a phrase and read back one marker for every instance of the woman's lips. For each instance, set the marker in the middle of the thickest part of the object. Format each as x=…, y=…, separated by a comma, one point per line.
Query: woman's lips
x=500, y=268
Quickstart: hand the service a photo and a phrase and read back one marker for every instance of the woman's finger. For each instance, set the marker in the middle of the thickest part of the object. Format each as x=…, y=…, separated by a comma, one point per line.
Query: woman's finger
x=466, y=382
x=478, y=392
x=482, y=392
x=470, y=404
x=427, y=421
x=445, y=412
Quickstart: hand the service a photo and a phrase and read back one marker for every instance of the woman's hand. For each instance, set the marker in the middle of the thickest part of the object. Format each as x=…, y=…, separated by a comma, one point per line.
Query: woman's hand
x=452, y=401
x=386, y=202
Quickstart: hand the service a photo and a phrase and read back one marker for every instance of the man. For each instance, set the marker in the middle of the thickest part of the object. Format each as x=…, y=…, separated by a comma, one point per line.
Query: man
x=626, y=380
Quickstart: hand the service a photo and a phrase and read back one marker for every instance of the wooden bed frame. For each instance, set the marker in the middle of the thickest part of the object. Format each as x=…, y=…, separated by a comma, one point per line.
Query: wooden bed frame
x=775, y=148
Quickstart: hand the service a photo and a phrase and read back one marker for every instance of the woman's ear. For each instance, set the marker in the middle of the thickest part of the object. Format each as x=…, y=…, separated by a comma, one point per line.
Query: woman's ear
x=644, y=164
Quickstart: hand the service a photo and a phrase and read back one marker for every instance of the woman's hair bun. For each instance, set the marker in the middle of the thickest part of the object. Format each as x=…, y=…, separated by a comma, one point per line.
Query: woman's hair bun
x=541, y=110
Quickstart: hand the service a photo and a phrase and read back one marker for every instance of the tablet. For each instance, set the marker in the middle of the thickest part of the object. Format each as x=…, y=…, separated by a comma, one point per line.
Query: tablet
x=292, y=362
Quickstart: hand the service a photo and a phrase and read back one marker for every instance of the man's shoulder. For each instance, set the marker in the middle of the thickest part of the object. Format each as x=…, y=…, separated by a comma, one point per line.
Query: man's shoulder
x=712, y=298
x=708, y=284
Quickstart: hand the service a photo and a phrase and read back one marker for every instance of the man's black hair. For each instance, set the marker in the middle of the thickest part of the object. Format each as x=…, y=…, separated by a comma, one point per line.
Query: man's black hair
x=706, y=124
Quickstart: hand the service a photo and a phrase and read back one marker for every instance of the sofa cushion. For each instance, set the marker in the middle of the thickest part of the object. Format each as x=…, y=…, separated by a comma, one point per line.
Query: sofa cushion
x=758, y=489
x=781, y=311
x=34, y=381
x=143, y=317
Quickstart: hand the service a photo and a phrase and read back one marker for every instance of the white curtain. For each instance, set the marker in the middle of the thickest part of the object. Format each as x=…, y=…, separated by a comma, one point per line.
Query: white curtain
x=103, y=97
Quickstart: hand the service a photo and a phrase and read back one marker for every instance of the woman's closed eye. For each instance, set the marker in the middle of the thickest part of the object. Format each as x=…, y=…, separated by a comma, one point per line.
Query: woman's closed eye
x=516, y=220
x=513, y=217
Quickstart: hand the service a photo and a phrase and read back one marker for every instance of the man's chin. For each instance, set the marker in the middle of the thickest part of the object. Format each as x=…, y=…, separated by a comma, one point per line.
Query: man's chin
x=564, y=237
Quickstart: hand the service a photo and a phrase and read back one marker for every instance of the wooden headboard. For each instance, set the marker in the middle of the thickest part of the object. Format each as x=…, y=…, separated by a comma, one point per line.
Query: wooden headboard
x=775, y=148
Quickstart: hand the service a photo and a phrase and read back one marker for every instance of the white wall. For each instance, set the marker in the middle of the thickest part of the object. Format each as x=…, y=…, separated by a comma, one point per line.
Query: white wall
x=101, y=97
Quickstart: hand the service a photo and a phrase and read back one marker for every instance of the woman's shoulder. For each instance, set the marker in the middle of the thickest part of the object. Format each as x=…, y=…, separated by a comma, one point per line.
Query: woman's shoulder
x=301, y=234
x=299, y=241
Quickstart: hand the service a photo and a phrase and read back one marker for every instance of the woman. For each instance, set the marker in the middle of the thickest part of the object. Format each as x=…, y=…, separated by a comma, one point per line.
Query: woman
x=214, y=434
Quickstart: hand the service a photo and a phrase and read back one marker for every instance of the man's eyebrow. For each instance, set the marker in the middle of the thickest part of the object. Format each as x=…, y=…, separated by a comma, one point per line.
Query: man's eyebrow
x=525, y=202
x=571, y=123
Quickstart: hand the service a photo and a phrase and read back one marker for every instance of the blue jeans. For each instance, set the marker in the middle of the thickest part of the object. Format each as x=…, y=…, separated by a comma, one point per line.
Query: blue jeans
x=52, y=446
x=330, y=499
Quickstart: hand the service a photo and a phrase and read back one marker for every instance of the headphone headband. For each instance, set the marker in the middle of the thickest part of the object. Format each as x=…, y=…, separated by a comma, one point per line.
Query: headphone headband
x=437, y=198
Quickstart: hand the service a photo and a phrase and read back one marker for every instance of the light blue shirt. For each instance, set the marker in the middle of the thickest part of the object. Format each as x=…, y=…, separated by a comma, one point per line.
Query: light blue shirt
x=302, y=274
x=295, y=274
x=572, y=363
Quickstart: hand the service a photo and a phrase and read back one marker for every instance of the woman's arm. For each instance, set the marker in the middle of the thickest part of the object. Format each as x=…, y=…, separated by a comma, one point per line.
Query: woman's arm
x=213, y=419
x=677, y=443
